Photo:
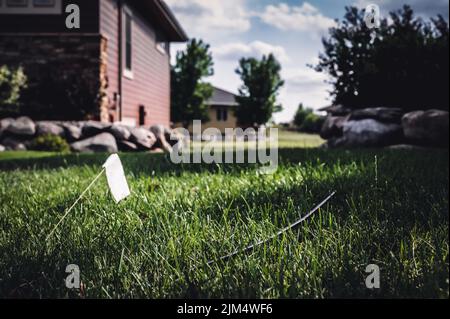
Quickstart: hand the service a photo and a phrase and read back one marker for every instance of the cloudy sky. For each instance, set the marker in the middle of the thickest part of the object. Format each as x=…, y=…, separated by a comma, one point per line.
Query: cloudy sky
x=291, y=29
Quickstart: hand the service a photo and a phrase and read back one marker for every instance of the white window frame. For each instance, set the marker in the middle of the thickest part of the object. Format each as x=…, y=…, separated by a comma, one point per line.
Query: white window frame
x=161, y=49
x=31, y=8
x=127, y=72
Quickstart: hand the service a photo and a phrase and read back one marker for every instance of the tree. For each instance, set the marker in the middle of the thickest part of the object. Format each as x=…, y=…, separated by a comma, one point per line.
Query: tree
x=403, y=63
x=258, y=94
x=300, y=115
x=306, y=121
x=12, y=83
x=188, y=92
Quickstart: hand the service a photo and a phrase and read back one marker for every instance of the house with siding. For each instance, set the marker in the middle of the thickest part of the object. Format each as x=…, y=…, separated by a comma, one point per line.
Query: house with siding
x=121, y=50
x=221, y=110
x=221, y=115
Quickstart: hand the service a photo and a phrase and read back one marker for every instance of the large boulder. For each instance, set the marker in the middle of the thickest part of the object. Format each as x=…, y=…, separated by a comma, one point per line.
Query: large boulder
x=104, y=142
x=161, y=133
x=381, y=114
x=427, y=127
x=370, y=133
x=143, y=138
x=406, y=147
x=333, y=126
x=121, y=133
x=176, y=137
x=14, y=144
x=126, y=146
x=4, y=124
x=23, y=127
x=93, y=128
x=336, y=110
x=49, y=128
x=72, y=132
x=158, y=130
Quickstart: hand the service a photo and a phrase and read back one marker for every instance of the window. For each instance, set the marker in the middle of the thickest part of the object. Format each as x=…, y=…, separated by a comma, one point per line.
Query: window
x=17, y=3
x=31, y=7
x=128, y=41
x=43, y=3
x=222, y=115
x=219, y=115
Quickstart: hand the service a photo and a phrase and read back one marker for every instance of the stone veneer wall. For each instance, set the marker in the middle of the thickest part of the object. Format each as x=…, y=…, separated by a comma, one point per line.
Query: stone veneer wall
x=83, y=55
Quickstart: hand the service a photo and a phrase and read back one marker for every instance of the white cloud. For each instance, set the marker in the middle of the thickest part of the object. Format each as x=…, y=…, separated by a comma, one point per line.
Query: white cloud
x=302, y=85
x=236, y=50
x=307, y=82
x=305, y=17
x=200, y=17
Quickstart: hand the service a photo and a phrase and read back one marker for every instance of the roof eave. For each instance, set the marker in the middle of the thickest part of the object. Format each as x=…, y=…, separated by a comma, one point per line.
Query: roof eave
x=178, y=31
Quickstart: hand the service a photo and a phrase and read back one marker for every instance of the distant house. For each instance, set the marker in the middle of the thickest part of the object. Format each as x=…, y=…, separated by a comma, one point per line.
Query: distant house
x=220, y=111
x=122, y=48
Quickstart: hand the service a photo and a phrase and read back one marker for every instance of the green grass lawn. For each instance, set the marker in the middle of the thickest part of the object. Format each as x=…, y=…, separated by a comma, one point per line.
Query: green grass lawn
x=391, y=209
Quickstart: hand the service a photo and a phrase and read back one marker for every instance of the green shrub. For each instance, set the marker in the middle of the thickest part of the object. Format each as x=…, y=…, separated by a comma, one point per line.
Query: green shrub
x=307, y=121
x=50, y=143
x=12, y=82
x=312, y=123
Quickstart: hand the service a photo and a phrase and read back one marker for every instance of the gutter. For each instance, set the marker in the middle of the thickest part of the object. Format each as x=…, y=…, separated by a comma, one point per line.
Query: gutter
x=119, y=9
x=170, y=17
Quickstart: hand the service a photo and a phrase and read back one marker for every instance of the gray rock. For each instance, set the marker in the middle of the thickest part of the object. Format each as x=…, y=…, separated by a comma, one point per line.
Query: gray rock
x=92, y=128
x=175, y=137
x=370, y=133
x=381, y=114
x=406, y=147
x=121, y=133
x=2, y=148
x=143, y=138
x=427, y=127
x=160, y=130
x=72, y=132
x=49, y=128
x=162, y=133
x=126, y=146
x=14, y=144
x=334, y=142
x=103, y=142
x=333, y=126
x=23, y=126
x=4, y=124
x=336, y=110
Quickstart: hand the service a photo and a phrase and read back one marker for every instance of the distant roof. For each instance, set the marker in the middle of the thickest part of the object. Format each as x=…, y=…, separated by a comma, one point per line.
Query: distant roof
x=160, y=14
x=222, y=97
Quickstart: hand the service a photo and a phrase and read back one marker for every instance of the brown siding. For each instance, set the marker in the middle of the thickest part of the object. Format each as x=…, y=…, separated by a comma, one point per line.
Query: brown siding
x=109, y=28
x=36, y=23
x=150, y=85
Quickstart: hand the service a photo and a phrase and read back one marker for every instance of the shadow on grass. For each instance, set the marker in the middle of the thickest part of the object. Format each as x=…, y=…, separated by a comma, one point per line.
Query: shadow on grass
x=146, y=163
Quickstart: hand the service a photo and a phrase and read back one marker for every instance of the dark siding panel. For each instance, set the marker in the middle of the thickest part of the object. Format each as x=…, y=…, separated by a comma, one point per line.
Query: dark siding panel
x=53, y=23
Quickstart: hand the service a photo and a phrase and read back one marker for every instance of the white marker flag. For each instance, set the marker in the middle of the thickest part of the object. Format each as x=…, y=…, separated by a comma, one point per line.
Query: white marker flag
x=116, y=178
